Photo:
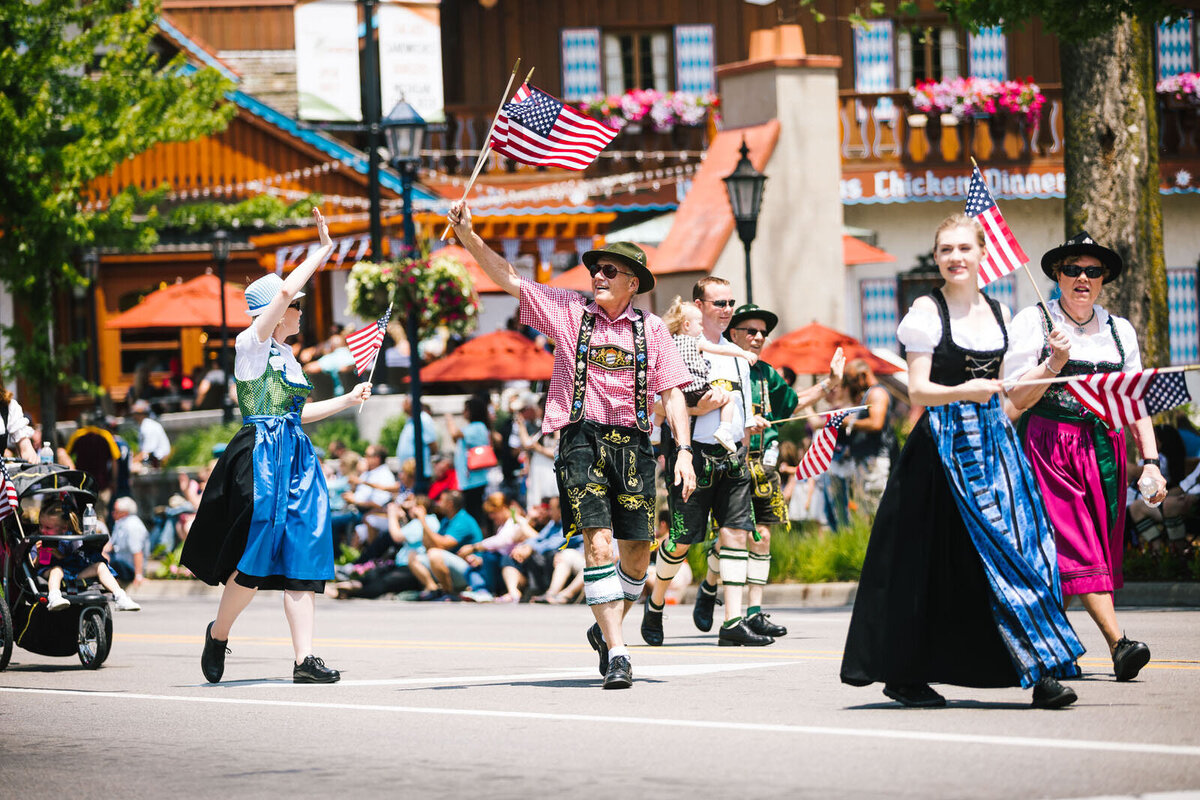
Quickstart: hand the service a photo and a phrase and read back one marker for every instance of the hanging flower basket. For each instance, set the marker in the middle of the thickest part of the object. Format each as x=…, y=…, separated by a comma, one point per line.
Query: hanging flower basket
x=1181, y=90
x=439, y=288
x=660, y=111
x=969, y=98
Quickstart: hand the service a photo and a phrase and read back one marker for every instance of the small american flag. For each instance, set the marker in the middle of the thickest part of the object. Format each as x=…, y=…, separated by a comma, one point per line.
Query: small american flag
x=364, y=344
x=535, y=128
x=820, y=452
x=1122, y=398
x=8, y=494
x=1003, y=253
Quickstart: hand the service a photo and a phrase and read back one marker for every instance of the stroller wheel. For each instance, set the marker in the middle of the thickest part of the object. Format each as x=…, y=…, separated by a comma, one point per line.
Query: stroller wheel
x=6, y=633
x=95, y=632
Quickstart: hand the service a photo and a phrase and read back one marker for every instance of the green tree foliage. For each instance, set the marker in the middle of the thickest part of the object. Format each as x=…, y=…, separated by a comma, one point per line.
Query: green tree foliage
x=83, y=89
x=1069, y=19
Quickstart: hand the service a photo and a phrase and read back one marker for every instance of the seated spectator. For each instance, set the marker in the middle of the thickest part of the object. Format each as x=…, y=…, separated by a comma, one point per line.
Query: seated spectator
x=486, y=556
x=126, y=548
x=211, y=388
x=343, y=515
x=191, y=489
x=71, y=561
x=153, y=444
x=440, y=570
x=373, y=490
x=1163, y=527
x=336, y=357
x=392, y=575
x=529, y=568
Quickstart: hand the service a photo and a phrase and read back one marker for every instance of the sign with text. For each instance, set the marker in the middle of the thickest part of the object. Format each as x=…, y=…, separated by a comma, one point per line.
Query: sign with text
x=410, y=58
x=327, y=61
x=902, y=186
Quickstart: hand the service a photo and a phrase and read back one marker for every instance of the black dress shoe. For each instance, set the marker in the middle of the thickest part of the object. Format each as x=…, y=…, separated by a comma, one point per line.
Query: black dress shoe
x=313, y=670
x=652, y=626
x=1128, y=658
x=596, y=640
x=761, y=623
x=212, y=660
x=1049, y=693
x=702, y=612
x=914, y=695
x=740, y=635
x=619, y=675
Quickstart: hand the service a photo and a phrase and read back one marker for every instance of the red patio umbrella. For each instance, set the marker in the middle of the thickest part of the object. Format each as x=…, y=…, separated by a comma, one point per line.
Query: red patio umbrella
x=193, y=304
x=499, y=356
x=807, y=350
x=577, y=278
x=483, y=284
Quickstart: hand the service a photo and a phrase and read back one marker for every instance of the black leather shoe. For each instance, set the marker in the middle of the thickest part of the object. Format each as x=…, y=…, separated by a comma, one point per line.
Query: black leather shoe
x=1049, y=693
x=1128, y=659
x=914, y=695
x=761, y=624
x=212, y=660
x=313, y=670
x=652, y=626
x=702, y=612
x=619, y=675
x=740, y=635
x=596, y=640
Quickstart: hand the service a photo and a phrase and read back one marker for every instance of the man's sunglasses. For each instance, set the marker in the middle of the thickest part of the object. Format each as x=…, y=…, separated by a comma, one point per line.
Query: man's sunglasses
x=753, y=331
x=722, y=303
x=1074, y=271
x=295, y=304
x=607, y=270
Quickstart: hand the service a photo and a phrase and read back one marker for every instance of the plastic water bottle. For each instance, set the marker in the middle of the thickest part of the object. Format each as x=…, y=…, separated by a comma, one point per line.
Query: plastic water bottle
x=89, y=520
x=46, y=454
x=1146, y=487
x=770, y=456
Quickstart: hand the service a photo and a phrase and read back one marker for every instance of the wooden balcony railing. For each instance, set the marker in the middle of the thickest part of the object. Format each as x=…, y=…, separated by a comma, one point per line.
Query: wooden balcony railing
x=885, y=127
x=454, y=148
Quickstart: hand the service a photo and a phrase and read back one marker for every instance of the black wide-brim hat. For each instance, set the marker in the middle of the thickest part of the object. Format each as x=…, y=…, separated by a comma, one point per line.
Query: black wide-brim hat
x=1082, y=244
x=630, y=255
x=751, y=311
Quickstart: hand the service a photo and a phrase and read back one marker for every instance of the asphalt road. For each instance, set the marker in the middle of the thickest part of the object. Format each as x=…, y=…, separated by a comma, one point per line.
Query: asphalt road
x=459, y=700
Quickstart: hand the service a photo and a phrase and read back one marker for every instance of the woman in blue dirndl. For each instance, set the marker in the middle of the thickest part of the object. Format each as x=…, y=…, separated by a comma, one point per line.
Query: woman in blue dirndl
x=960, y=581
x=263, y=521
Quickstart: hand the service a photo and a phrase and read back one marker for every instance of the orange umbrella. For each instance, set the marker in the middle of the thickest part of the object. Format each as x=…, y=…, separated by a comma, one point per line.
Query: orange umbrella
x=499, y=356
x=483, y=284
x=807, y=350
x=194, y=304
x=577, y=278
x=856, y=251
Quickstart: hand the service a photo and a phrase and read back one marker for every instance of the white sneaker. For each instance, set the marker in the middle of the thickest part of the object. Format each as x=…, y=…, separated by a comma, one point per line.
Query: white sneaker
x=126, y=603
x=56, y=602
x=725, y=438
x=473, y=596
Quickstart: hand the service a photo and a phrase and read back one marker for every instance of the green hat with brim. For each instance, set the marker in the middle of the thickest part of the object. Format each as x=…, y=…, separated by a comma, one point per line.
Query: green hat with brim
x=751, y=311
x=630, y=255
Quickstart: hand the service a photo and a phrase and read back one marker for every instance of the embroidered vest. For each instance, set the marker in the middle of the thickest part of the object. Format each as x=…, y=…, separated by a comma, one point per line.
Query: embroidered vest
x=1057, y=395
x=608, y=357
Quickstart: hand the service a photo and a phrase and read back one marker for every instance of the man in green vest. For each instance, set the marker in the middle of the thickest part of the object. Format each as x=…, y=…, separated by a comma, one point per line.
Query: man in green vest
x=771, y=399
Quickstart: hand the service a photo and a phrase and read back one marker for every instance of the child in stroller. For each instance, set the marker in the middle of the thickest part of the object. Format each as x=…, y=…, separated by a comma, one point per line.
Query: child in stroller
x=72, y=561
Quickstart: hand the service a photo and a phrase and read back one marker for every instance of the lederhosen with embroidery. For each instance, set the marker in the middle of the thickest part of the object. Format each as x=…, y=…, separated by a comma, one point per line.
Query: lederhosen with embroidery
x=724, y=485
x=769, y=506
x=1059, y=404
x=605, y=473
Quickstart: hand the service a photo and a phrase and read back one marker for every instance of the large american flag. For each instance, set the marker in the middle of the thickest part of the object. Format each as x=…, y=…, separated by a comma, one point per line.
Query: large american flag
x=1122, y=398
x=364, y=344
x=8, y=494
x=1003, y=253
x=535, y=128
x=820, y=452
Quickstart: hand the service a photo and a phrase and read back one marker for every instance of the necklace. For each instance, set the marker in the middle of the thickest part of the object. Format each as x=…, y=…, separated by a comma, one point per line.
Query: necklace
x=1078, y=325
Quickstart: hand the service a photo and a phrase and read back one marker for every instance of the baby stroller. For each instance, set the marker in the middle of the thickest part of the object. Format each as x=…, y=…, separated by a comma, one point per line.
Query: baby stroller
x=85, y=628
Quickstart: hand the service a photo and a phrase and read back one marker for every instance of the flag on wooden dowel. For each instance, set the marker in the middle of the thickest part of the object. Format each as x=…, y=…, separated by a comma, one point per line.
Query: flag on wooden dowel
x=1122, y=398
x=536, y=128
x=364, y=344
x=820, y=452
x=1003, y=253
x=9, y=504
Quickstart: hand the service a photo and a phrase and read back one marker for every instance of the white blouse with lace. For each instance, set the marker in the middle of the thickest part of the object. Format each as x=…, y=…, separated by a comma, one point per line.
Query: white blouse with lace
x=1027, y=338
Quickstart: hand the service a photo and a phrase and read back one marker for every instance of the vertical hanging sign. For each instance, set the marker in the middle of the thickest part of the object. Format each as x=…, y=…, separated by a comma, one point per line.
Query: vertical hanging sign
x=327, y=61
x=410, y=57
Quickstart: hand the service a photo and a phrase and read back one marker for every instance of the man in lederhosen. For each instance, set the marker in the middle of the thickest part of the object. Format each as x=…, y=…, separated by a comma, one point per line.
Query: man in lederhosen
x=771, y=399
x=610, y=360
x=723, y=487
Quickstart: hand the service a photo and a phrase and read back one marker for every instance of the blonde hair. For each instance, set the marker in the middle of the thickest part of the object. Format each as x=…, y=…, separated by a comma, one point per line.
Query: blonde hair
x=960, y=221
x=676, y=314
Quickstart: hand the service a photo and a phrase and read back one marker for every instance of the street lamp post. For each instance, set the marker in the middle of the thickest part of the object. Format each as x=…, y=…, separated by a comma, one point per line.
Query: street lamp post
x=220, y=246
x=91, y=264
x=745, y=187
x=405, y=132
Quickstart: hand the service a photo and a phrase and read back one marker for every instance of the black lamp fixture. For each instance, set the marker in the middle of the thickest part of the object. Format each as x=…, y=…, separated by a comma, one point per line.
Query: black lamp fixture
x=220, y=248
x=404, y=130
x=745, y=187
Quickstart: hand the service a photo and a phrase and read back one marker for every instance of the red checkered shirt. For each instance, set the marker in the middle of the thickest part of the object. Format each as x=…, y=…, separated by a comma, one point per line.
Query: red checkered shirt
x=608, y=395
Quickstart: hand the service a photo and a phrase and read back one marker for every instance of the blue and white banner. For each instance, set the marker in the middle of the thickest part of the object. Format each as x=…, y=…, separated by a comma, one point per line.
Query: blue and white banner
x=987, y=54
x=581, y=63
x=694, y=59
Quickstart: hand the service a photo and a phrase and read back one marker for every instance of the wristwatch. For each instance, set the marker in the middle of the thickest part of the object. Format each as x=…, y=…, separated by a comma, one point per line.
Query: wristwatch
x=685, y=447
x=1148, y=461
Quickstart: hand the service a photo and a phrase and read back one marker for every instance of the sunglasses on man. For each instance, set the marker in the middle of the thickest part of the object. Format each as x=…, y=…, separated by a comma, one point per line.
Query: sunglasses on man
x=1074, y=271
x=607, y=270
x=722, y=303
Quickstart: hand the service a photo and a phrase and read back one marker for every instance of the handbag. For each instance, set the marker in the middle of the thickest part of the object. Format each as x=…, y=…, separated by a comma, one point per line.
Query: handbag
x=482, y=457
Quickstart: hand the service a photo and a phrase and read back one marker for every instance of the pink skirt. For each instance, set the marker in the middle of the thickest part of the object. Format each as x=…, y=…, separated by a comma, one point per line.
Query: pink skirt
x=1063, y=457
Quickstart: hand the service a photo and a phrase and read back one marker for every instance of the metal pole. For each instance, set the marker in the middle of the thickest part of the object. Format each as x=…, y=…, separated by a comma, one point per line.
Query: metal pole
x=411, y=329
x=371, y=117
x=93, y=260
x=749, y=289
x=226, y=404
